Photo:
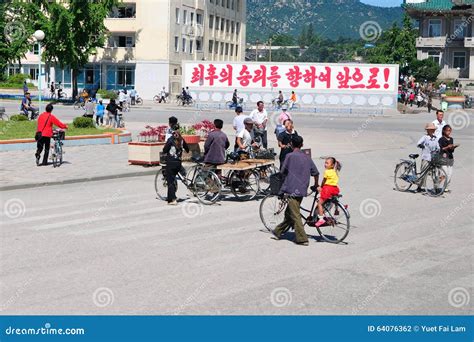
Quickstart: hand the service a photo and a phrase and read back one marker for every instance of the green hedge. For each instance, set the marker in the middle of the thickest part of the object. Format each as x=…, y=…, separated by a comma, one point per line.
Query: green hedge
x=7, y=85
x=17, y=78
x=82, y=122
x=107, y=94
x=18, y=117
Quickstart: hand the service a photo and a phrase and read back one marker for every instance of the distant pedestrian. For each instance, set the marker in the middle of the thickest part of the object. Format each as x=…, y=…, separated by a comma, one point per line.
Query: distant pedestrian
x=112, y=113
x=99, y=115
x=46, y=121
x=439, y=123
x=90, y=108
x=25, y=87
x=133, y=96
x=163, y=95
x=447, y=147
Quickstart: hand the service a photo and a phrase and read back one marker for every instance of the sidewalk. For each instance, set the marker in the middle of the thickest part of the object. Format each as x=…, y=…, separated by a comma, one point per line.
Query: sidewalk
x=81, y=164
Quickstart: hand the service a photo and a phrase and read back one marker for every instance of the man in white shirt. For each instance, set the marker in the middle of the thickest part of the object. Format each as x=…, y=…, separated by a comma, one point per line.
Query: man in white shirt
x=260, y=119
x=439, y=124
x=238, y=123
x=245, y=138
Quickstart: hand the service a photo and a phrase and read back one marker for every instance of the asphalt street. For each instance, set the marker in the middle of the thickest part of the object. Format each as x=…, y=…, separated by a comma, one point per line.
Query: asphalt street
x=111, y=247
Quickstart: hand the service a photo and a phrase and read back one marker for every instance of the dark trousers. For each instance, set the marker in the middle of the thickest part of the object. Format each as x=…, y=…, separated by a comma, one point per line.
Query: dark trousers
x=293, y=219
x=172, y=170
x=99, y=119
x=264, y=139
x=43, y=142
x=132, y=100
x=162, y=99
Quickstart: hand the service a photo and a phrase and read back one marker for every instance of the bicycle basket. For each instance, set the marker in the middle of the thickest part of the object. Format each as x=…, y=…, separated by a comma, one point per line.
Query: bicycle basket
x=276, y=182
x=438, y=160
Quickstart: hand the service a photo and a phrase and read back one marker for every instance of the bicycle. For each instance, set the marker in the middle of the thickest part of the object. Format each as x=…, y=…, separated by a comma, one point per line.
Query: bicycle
x=277, y=104
x=57, y=147
x=232, y=105
x=335, y=230
x=157, y=98
x=3, y=115
x=433, y=178
x=203, y=183
x=138, y=101
x=80, y=103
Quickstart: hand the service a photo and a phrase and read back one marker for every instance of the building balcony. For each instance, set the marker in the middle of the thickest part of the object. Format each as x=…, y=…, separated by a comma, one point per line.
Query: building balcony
x=427, y=42
x=469, y=42
x=121, y=24
x=115, y=54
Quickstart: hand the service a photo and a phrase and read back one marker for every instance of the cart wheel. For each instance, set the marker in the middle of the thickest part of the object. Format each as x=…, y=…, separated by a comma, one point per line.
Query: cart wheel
x=244, y=185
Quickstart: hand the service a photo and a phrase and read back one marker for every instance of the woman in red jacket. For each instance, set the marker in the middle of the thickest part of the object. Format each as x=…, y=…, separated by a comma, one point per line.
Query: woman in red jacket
x=46, y=121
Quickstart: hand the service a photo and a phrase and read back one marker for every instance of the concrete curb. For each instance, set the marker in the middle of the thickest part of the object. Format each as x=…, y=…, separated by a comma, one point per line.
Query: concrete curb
x=77, y=180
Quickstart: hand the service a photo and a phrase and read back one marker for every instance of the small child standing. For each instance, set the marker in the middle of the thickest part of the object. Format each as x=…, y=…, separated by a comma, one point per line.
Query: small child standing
x=328, y=187
x=99, y=115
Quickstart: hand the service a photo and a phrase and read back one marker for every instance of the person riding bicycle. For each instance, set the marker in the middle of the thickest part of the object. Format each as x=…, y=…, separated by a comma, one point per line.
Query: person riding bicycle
x=297, y=170
x=429, y=144
x=46, y=121
x=292, y=100
x=235, y=98
x=174, y=150
x=27, y=107
x=280, y=98
x=328, y=187
x=84, y=95
x=52, y=89
x=216, y=145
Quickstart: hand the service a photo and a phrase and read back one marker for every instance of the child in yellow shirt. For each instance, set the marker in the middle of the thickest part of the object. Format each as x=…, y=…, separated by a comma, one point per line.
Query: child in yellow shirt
x=329, y=186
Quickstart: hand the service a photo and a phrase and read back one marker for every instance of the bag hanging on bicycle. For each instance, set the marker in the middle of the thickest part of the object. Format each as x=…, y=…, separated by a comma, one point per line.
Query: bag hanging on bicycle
x=276, y=182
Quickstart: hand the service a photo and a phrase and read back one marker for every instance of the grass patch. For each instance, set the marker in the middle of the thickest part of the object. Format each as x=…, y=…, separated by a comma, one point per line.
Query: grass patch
x=27, y=129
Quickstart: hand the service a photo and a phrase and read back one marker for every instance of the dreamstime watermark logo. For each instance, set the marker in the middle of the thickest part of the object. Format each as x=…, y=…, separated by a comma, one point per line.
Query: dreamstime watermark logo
x=459, y=297
x=102, y=297
x=370, y=208
x=14, y=208
x=192, y=210
x=455, y=212
x=14, y=31
x=459, y=120
x=460, y=30
x=370, y=31
x=373, y=293
x=193, y=31
x=281, y=297
x=363, y=127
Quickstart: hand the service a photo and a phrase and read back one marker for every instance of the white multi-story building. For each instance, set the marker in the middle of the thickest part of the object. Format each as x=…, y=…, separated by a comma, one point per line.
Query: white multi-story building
x=148, y=41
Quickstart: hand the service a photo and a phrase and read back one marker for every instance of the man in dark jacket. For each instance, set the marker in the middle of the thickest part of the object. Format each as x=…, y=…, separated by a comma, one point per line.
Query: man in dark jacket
x=297, y=169
x=285, y=140
x=216, y=145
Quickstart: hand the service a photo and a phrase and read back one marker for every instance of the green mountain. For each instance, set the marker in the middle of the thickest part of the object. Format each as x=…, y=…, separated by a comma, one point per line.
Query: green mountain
x=330, y=18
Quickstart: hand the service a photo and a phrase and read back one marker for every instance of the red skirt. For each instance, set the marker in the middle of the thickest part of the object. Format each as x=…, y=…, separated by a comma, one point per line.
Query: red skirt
x=328, y=191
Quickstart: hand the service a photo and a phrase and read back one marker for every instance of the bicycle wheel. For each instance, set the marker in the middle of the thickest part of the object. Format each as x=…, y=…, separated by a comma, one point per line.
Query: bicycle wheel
x=337, y=224
x=161, y=184
x=264, y=177
x=403, y=172
x=55, y=156
x=229, y=104
x=156, y=99
x=244, y=185
x=4, y=117
x=139, y=101
x=435, y=182
x=77, y=105
x=206, y=187
x=272, y=211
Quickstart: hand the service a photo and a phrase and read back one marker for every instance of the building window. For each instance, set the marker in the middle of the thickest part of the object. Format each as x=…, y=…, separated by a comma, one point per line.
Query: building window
x=460, y=27
x=231, y=49
x=217, y=23
x=233, y=5
x=191, y=46
x=175, y=72
x=121, y=41
x=226, y=49
x=237, y=50
x=222, y=48
x=435, y=56
x=35, y=49
x=434, y=28
x=198, y=45
x=459, y=59
x=199, y=19
x=183, y=46
x=177, y=16
x=211, y=21
x=89, y=73
x=211, y=46
x=228, y=4
x=227, y=25
x=123, y=11
x=238, y=5
x=125, y=76
x=33, y=73
x=216, y=48
x=185, y=17
x=12, y=70
x=176, y=44
x=237, y=29
x=232, y=27
x=192, y=18
x=222, y=24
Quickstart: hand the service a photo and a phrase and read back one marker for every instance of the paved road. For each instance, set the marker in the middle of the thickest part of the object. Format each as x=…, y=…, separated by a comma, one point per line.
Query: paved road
x=110, y=247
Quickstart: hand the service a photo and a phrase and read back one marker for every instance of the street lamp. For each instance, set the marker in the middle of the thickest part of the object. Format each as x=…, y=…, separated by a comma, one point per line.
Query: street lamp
x=256, y=50
x=39, y=36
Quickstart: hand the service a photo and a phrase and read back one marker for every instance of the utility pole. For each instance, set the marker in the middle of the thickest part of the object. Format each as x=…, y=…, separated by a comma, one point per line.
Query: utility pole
x=270, y=53
x=256, y=50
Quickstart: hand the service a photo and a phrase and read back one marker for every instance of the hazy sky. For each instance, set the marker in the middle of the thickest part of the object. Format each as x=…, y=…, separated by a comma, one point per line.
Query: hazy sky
x=383, y=3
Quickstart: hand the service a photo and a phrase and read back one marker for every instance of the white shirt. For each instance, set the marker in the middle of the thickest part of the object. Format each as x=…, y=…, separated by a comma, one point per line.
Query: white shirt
x=439, y=128
x=259, y=117
x=246, y=137
x=430, y=145
x=238, y=123
x=122, y=97
x=162, y=92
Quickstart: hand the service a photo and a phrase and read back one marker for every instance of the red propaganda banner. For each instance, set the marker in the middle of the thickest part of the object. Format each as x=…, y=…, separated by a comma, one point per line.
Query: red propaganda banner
x=343, y=78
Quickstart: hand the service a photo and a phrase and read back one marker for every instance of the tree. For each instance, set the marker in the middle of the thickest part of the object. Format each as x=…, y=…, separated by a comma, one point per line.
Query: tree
x=282, y=40
x=426, y=69
x=74, y=32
